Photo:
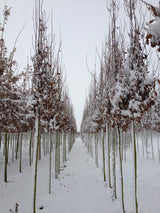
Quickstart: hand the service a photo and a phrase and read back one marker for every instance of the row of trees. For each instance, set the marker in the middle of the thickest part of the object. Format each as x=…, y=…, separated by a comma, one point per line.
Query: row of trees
x=40, y=88
x=124, y=97
x=35, y=100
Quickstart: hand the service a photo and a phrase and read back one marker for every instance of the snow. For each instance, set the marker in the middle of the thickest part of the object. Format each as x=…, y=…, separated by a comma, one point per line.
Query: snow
x=80, y=187
x=154, y=30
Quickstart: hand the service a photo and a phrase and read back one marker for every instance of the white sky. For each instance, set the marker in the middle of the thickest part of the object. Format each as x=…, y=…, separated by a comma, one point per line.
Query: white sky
x=83, y=25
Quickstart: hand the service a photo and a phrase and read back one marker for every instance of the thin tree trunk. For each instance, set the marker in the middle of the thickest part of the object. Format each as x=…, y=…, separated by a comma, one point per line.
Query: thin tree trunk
x=30, y=148
x=8, y=146
x=17, y=146
x=0, y=140
x=4, y=147
x=108, y=154
x=56, y=155
x=20, y=154
x=50, y=162
x=152, y=144
x=6, y=157
x=142, y=136
x=59, y=151
x=103, y=150
x=64, y=147
x=36, y=160
x=13, y=139
x=121, y=171
x=137, y=145
x=69, y=141
x=125, y=147
x=47, y=145
x=96, y=149
x=43, y=142
x=88, y=141
x=39, y=142
x=91, y=145
x=146, y=144
x=134, y=153
x=33, y=146
x=158, y=148
x=114, y=165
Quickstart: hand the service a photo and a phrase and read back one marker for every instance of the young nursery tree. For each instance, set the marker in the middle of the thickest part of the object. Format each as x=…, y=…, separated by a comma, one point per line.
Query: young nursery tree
x=41, y=66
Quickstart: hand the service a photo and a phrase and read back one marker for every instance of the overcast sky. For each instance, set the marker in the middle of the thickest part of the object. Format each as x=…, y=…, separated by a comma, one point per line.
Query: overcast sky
x=83, y=25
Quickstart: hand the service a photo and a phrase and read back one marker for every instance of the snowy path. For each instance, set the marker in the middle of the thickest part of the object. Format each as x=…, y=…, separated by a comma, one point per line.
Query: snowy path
x=80, y=188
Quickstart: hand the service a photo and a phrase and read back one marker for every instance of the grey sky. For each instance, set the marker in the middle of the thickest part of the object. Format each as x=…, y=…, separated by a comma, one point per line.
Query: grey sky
x=83, y=25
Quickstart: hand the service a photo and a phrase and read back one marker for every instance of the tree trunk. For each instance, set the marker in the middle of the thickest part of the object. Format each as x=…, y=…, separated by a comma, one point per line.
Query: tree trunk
x=13, y=140
x=121, y=171
x=17, y=146
x=96, y=149
x=8, y=146
x=56, y=155
x=158, y=147
x=36, y=160
x=142, y=136
x=137, y=145
x=6, y=157
x=39, y=140
x=64, y=147
x=108, y=154
x=20, y=154
x=152, y=144
x=134, y=154
x=69, y=142
x=103, y=150
x=0, y=140
x=30, y=148
x=91, y=144
x=114, y=165
x=146, y=144
x=125, y=146
x=88, y=142
x=59, y=151
x=50, y=162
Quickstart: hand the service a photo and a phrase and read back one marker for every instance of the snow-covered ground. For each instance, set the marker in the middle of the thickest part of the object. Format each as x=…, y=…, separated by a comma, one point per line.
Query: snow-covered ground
x=80, y=187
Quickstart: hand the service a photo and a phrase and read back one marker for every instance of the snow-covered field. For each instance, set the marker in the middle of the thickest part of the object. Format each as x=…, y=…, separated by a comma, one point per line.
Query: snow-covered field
x=80, y=187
